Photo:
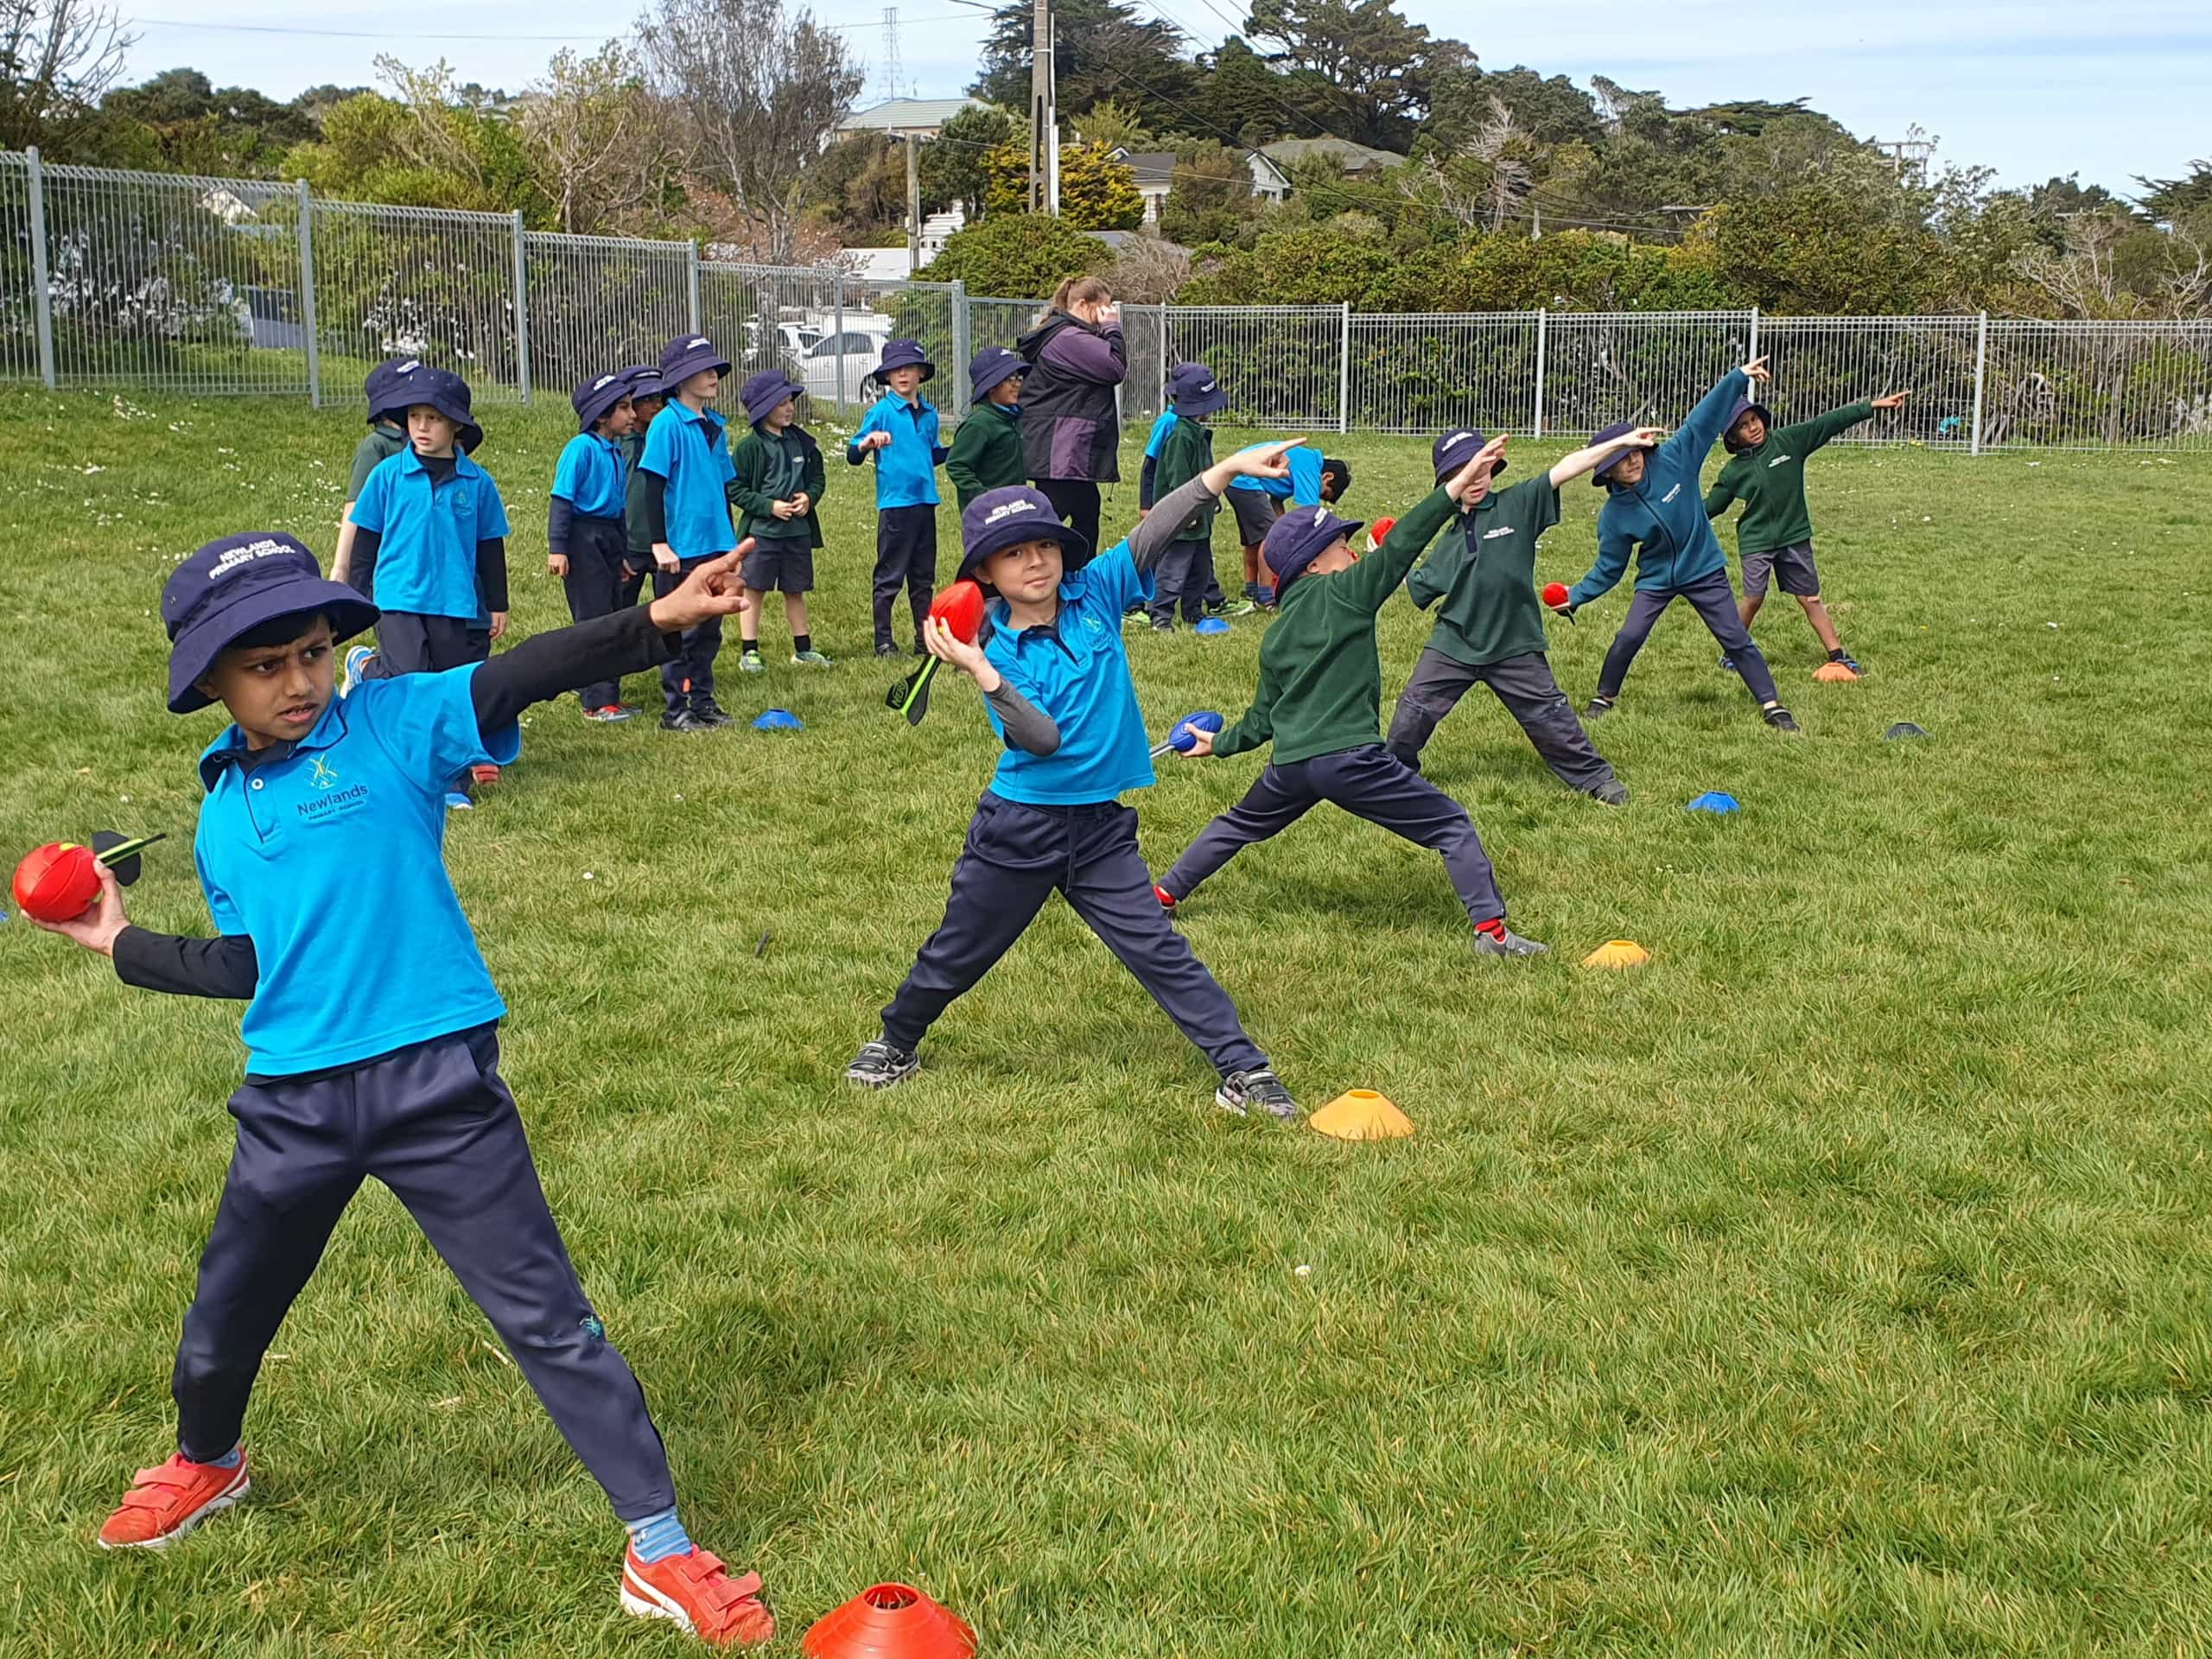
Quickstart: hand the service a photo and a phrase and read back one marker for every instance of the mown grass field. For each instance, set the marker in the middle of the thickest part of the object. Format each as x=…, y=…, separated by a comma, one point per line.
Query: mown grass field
x=1836, y=1283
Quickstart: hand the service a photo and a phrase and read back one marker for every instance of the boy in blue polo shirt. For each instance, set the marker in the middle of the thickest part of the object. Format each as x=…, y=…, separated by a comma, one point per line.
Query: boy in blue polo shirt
x=316, y=805
x=585, y=540
x=1315, y=481
x=688, y=517
x=901, y=432
x=1055, y=677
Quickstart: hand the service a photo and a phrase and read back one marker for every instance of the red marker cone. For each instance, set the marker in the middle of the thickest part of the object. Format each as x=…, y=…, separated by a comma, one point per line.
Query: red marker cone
x=889, y=1621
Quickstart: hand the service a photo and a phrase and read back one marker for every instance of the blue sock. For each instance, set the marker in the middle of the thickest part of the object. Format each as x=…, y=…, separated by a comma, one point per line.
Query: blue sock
x=659, y=1536
x=230, y=1460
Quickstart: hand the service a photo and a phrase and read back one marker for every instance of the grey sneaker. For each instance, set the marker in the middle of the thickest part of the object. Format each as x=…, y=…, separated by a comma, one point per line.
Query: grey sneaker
x=1597, y=708
x=809, y=659
x=1612, y=792
x=1242, y=1090
x=682, y=720
x=1515, y=945
x=879, y=1065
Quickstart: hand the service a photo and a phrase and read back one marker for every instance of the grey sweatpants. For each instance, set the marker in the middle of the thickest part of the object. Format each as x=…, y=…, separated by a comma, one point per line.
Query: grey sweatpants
x=1714, y=601
x=1524, y=684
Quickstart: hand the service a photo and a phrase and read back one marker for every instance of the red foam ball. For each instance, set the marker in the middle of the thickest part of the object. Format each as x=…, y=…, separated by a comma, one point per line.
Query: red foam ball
x=1554, y=593
x=960, y=607
x=57, y=883
x=1379, y=532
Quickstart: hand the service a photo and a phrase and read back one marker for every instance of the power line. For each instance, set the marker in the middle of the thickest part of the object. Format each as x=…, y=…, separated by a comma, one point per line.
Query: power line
x=414, y=34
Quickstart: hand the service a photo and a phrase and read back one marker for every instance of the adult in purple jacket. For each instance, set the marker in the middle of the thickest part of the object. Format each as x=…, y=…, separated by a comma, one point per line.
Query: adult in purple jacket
x=1071, y=419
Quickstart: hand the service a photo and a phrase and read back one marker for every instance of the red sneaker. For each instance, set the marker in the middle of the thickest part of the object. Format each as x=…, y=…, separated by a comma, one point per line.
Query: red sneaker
x=695, y=1590
x=165, y=1503
x=483, y=776
x=1166, y=898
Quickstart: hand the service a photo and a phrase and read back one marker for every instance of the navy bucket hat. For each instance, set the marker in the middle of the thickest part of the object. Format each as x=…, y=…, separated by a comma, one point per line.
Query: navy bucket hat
x=1455, y=450
x=1300, y=537
x=991, y=368
x=644, y=381
x=595, y=399
x=1007, y=516
x=904, y=354
x=1744, y=406
x=1606, y=434
x=386, y=387
x=230, y=587
x=685, y=356
x=447, y=393
x=765, y=390
x=1193, y=393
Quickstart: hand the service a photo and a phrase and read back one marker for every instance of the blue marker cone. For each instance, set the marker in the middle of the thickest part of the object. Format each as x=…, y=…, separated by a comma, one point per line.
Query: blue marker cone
x=1713, y=801
x=779, y=720
x=1212, y=625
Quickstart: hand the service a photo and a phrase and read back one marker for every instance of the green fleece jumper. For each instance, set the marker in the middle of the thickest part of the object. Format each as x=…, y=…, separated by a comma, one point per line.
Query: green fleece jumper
x=1320, y=676
x=1485, y=571
x=985, y=453
x=1186, y=452
x=772, y=468
x=1769, y=481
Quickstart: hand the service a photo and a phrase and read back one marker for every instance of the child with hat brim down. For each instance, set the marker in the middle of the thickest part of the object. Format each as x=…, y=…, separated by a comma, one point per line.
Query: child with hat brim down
x=1655, y=513
x=986, y=452
x=1315, y=481
x=1055, y=677
x=1773, y=537
x=901, y=432
x=1491, y=630
x=1319, y=705
x=687, y=469
x=315, y=807
x=646, y=401
x=586, y=539
x=1179, y=450
x=778, y=494
x=385, y=389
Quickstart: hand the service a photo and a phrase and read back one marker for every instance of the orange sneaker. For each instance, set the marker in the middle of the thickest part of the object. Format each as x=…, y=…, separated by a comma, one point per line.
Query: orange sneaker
x=165, y=1503
x=695, y=1590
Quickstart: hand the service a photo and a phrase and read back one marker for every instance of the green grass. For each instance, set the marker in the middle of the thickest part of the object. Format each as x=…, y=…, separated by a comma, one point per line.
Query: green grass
x=1836, y=1283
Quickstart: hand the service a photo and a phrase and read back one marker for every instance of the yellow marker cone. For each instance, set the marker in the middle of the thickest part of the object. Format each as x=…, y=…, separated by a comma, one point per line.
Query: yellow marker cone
x=1617, y=953
x=1362, y=1115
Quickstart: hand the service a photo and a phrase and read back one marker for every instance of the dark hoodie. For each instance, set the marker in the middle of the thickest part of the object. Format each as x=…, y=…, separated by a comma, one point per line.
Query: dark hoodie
x=1071, y=426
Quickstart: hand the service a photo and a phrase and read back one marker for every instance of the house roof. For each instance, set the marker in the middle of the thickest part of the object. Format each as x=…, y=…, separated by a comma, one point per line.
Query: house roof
x=905, y=112
x=1286, y=152
x=1151, y=166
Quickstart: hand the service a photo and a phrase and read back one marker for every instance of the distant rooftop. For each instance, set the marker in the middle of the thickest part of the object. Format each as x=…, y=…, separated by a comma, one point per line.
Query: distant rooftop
x=1286, y=151
x=907, y=114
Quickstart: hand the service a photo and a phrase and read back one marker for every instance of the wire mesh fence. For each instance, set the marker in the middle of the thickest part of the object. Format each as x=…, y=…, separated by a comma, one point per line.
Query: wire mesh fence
x=210, y=286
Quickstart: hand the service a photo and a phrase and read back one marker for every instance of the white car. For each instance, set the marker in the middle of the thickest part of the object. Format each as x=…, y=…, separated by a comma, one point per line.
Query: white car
x=835, y=368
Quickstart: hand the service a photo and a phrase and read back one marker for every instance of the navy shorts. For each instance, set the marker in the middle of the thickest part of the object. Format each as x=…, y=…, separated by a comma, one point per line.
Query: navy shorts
x=788, y=566
x=1256, y=515
x=1793, y=569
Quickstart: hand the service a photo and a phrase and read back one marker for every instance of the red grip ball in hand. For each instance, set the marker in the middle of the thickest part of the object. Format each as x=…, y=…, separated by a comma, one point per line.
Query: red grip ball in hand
x=1379, y=532
x=960, y=607
x=58, y=883
x=1554, y=593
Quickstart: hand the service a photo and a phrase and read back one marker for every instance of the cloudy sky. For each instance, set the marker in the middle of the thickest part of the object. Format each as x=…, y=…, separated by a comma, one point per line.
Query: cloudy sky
x=2032, y=89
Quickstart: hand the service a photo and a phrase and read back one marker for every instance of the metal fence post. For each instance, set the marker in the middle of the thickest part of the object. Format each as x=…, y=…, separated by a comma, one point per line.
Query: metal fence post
x=960, y=351
x=838, y=321
x=1543, y=317
x=1980, y=375
x=306, y=296
x=1753, y=355
x=1344, y=371
x=42, y=282
x=691, y=272
x=522, y=312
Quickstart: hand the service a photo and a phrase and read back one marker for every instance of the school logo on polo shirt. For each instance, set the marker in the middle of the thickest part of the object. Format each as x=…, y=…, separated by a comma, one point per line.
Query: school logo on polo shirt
x=322, y=773
x=1493, y=535
x=1778, y=461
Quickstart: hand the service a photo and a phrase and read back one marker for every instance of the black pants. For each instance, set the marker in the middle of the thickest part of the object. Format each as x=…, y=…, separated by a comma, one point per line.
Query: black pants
x=1076, y=500
x=1180, y=579
x=1369, y=782
x=436, y=1125
x=1524, y=684
x=595, y=584
x=1714, y=600
x=409, y=642
x=1015, y=855
x=688, y=680
x=906, y=556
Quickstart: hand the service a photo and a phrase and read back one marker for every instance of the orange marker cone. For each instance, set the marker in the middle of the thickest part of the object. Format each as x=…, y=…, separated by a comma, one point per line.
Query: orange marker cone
x=1834, y=671
x=889, y=1621
x=1362, y=1115
x=1617, y=953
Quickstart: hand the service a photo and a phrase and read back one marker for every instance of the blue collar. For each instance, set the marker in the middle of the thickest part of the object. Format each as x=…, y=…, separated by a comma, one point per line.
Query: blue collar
x=230, y=749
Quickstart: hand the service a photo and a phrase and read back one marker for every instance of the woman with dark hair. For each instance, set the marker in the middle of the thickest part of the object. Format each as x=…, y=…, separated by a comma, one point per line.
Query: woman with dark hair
x=1071, y=421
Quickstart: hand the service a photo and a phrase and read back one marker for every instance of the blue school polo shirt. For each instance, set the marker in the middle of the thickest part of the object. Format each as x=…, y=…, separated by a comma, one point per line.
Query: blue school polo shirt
x=342, y=842
x=1302, y=489
x=689, y=448
x=427, y=565
x=592, y=475
x=906, y=471
x=1077, y=672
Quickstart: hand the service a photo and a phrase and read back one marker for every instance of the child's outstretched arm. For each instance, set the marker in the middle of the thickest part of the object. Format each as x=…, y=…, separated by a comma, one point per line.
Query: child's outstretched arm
x=1614, y=547
x=225, y=966
x=1255, y=729
x=1376, y=577
x=1570, y=467
x=1826, y=428
x=1157, y=530
x=1718, y=498
x=1700, y=428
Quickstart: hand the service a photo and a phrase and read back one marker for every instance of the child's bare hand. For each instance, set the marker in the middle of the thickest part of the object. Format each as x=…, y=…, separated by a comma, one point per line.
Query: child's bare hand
x=785, y=510
x=1756, y=369
x=499, y=625
x=715, y=588
x=1893, y=400
x=1201, y=744
x=876, y=440
x=664, y=556
x=802, y=504
x=556, y=564
x=1646, y=437
x=1267, y=460
x=96, y=930
x=1485, y=460
x=939, y=640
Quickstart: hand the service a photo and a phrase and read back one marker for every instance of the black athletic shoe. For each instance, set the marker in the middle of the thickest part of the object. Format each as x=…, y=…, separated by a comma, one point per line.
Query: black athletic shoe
x=1597, y=708
x=1242, y=1090
x=707, y=712
x=1613, y=793
x=1779, y=717
x=886, y=649
x=682, y=720
x=879, y=1065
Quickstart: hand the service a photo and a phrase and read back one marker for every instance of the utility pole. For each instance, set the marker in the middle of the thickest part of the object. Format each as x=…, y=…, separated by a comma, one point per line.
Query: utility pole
x=1535, y=220
x=1043, y=116
x=913, y=203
